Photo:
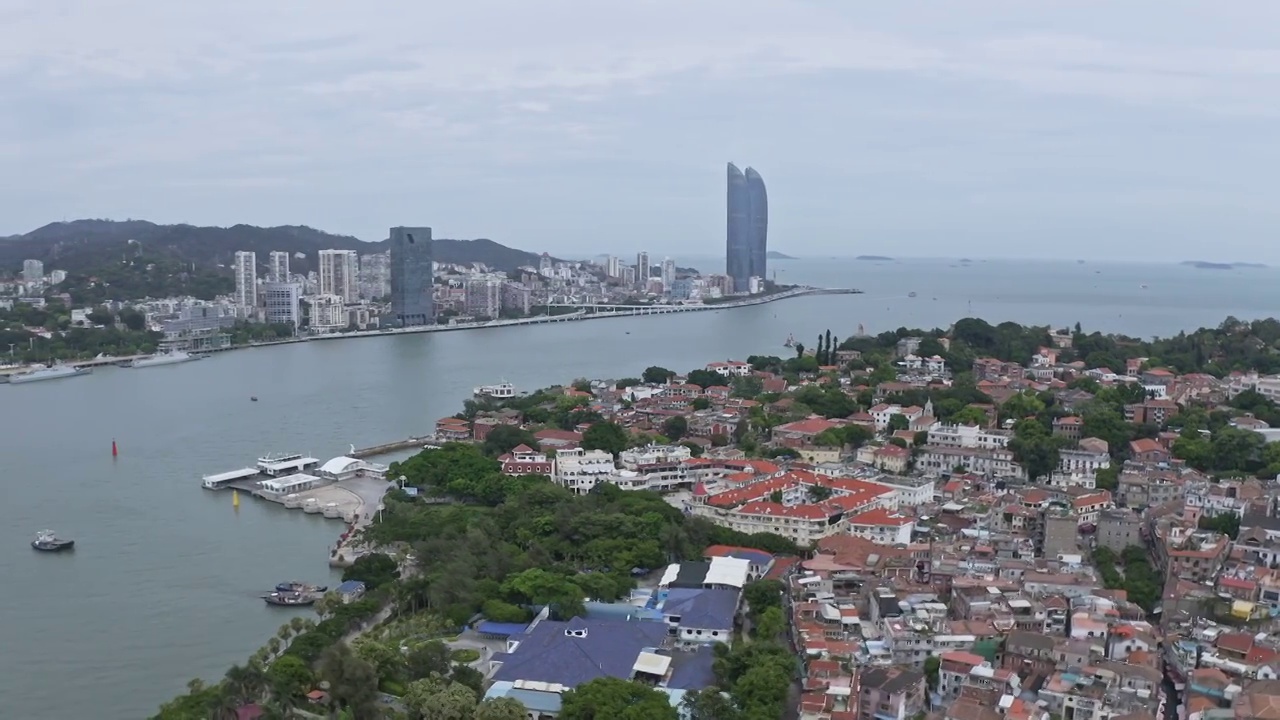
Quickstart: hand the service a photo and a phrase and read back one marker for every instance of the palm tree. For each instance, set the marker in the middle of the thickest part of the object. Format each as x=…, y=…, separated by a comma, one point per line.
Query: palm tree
x=273, y=646
x=227, y=706
x=298, y=625
x=285, y=631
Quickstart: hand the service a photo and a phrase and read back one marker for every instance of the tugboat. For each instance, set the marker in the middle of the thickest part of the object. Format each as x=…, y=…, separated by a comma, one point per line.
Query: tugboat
x=293, y=586
x=291, y=599
x=46, y=541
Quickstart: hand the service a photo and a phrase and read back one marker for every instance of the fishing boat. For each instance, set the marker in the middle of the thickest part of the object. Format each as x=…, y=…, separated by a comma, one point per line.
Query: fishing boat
x=293, y=586
x=911, y=294
x=291, y=599
x=46, y=541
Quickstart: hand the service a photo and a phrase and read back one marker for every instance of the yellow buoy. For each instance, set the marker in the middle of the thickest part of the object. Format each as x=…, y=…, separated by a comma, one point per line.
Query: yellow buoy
x=235, y=498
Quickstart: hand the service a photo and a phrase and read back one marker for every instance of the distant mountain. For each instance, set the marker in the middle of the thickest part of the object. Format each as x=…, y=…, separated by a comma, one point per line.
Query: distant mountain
x=775, y=255
x=874, y=258
x=83, y=246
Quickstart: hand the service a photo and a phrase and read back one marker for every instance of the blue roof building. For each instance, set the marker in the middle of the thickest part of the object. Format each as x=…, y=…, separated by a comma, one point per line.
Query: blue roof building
x=351, y=590
x=701, y=615
x=556, y=656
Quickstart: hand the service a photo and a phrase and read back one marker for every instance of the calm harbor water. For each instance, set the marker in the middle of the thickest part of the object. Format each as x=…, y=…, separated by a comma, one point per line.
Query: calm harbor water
x=163, y=584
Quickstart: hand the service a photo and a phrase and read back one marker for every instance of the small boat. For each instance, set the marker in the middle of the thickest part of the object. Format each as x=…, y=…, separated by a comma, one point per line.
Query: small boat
x=291, y=599
x=46, y=541
x=911, y=294
x=253, y=398
x=293, y=586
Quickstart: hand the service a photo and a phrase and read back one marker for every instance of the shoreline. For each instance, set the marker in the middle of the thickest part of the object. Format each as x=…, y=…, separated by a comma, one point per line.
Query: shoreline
x=580, y=315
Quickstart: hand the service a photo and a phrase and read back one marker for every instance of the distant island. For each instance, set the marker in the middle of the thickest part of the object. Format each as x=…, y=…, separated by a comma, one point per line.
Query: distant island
x=874, y=258
x=775, y=255
x=1205, y=265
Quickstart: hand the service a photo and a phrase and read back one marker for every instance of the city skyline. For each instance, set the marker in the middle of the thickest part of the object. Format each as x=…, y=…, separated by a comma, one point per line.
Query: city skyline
x=975, y=132
x=746, y=227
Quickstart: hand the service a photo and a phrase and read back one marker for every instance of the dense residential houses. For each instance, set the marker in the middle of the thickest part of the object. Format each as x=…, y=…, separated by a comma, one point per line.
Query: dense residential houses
x=939, y=579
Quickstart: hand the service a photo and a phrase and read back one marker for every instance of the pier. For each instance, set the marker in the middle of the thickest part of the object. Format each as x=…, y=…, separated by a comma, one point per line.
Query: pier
x=376, y=450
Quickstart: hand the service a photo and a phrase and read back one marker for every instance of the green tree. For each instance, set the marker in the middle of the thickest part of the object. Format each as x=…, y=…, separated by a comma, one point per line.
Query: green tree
x=1035, y=449
x=675, y=427
x=100, y=316
x=373, y=569
x=609, y=698
x=428, y=659
x=898, y=421
x=969, y=415
x=709, y=704
x=289, y=679
x=1022, y=405
x=503, y=708
x=1226, y=523
x=700, y=403
x=655, y=375
x=625, y=383
x=504, y=438
x=607, y=436
x=760, y=595
x=705, y=378
x=932, y=666
x=353, y=683
x=770, y=624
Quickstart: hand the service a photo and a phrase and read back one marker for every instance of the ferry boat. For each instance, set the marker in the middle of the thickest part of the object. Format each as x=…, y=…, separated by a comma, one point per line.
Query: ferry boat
x=291, y=599
x=501, y=391
x=293, y=586
x=46, y=541
x=269, y=466
x=168, y=358
x=46, y=372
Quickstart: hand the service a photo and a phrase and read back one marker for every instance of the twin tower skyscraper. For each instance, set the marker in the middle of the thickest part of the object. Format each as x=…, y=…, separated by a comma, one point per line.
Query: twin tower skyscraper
x=747, y=246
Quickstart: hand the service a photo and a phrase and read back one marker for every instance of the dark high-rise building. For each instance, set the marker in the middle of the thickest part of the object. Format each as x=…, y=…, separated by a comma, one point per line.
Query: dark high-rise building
x=747, y=231
x=412, y=302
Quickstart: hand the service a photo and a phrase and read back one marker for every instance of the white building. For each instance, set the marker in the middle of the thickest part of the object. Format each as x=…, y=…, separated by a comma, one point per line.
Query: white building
x=33, y=271
x=580, y=470
x=246, y=269
x=882, y=527
x=968, y=436
x=1082, y=462
x=643, y=273
x=278, y=266
x=653, y=467
x=908, y=491
x=730, y=368
x=613, y=267
x=283, y=301
x=882, y=413
x=484, y=295
x=668, y=274
x=340, y=274
x=328, y=313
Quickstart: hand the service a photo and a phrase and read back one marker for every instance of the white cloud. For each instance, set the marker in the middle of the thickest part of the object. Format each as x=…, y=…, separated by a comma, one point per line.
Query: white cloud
x=334, y=96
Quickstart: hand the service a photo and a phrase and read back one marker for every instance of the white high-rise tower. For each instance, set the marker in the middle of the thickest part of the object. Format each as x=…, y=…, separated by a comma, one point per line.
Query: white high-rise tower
x=246, y=268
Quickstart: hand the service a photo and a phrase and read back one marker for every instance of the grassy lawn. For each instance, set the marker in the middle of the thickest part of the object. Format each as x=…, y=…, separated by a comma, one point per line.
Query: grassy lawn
x=465, y=656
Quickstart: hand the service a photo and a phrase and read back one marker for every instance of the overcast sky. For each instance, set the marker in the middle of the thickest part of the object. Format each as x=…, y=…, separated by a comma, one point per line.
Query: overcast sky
x=1133, y=129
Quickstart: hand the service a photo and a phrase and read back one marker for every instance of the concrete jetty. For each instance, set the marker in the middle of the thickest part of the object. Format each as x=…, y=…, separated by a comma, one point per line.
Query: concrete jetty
x=376, y=450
